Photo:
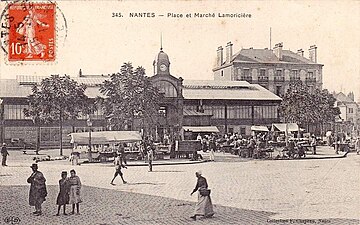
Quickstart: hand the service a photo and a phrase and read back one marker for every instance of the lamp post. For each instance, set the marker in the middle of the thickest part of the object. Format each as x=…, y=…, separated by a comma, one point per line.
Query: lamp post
x=89, y=123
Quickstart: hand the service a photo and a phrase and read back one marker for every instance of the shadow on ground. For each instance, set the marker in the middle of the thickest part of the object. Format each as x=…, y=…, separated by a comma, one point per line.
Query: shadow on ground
x=103, y=206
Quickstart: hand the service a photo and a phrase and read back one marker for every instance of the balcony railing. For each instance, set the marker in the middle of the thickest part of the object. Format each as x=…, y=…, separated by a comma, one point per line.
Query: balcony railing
x=294, y=78
x=310, y=79
x=263, y=78
x=279, y=78
x=246, y=78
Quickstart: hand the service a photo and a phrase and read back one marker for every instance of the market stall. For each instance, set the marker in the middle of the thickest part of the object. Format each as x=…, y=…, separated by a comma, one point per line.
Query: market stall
x=105, y=144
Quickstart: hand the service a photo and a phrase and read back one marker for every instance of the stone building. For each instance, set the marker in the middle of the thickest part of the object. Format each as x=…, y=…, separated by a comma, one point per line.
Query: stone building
x=270, y=68
x=349, y=121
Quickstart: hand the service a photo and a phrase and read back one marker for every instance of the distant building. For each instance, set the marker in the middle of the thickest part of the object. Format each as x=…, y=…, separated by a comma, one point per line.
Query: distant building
x=270, y=68
x=349, y=120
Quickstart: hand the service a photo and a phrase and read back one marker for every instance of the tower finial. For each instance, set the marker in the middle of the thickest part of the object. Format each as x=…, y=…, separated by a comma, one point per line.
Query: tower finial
x=161, y=48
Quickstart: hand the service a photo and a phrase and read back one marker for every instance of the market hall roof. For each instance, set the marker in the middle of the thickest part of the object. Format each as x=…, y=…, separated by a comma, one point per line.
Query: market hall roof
x=21, y=86
x=193, y=89
x=226, y=90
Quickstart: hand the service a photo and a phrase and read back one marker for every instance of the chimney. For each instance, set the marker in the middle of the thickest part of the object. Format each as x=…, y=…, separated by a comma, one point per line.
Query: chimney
x=229, y=51
x=313, y=53
x=278, y=50
x=220, y=57
x=351, y=96
x=80, y=73
x=300, y=52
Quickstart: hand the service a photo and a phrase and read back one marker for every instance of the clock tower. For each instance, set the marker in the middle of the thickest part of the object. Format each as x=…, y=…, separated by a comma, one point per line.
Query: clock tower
x=161, y=63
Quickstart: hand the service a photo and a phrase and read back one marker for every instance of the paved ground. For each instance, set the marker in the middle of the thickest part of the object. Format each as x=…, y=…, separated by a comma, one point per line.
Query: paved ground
x=243, y=191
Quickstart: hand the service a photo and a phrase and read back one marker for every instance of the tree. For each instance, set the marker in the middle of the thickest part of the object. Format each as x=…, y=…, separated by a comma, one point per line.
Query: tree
x=303, y=106
x=129, y=95
x=56, y=99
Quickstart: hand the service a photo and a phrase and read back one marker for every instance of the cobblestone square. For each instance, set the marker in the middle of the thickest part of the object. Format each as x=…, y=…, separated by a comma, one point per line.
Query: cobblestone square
x=321, y=191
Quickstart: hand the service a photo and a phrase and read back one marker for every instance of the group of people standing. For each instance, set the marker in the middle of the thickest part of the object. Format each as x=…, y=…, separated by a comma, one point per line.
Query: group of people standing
x=208, y=143
x=69, y=193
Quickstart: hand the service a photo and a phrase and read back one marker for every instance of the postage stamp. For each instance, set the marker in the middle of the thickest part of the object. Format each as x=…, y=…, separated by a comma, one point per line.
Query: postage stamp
x=32, y=31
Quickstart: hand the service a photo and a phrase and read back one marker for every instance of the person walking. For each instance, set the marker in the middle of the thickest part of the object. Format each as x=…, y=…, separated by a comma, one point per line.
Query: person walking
x=150, y=158
x=63, y=196
x=357, y=145
x=74, y=193
x=204, y=205
x=38, y=190
x=313, y=144
x=118, y=165
x=4, y=154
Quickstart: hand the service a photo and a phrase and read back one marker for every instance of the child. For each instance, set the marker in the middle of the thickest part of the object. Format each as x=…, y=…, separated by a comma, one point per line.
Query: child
x=63, y=196
x=75, y=187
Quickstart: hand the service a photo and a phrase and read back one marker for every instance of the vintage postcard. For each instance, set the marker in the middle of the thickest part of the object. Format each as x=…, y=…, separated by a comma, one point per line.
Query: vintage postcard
x=179, y=112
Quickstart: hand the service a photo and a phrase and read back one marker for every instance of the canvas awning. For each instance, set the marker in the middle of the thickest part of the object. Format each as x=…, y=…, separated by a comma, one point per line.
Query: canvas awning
x=291, y=127
x=105, y=137
x=205, y=129
x=259, y=128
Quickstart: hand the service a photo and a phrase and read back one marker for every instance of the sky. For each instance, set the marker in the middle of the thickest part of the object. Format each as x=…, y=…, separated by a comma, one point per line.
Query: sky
x=98, y=43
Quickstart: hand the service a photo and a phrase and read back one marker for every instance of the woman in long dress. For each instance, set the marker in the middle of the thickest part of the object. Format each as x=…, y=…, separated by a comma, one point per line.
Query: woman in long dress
x=204, y=205
x=75, y=187
x=63, y=196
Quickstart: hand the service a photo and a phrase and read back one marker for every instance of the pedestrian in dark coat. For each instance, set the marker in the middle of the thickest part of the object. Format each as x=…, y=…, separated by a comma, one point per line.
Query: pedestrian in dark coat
x=63, y=196
x=4, y=154
x=38, y=190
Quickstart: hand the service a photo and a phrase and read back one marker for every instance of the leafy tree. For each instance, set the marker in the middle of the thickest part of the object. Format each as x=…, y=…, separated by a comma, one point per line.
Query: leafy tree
x=303, y=106
x=129, y=95
x=56, y=99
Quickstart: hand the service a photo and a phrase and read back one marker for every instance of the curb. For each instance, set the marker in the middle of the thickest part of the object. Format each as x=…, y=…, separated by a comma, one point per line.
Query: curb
x=323, y=157
x=154, y=164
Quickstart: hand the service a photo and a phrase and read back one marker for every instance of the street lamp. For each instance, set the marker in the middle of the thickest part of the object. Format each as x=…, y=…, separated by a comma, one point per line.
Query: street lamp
x=89, y=123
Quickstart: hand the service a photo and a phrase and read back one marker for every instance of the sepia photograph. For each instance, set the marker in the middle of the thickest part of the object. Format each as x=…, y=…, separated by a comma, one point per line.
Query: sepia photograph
x=180, y=112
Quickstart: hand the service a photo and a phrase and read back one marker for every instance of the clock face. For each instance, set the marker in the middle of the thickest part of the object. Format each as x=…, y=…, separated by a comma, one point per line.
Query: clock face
x=163, y=67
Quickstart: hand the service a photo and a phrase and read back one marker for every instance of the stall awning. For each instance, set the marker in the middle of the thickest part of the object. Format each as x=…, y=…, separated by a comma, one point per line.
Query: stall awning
x=205, y=129
x=259, y=128
x=291, y=127
x=105, y=137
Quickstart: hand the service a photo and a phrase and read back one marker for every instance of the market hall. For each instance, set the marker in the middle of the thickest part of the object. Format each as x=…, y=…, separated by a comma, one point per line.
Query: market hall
x=231, y=106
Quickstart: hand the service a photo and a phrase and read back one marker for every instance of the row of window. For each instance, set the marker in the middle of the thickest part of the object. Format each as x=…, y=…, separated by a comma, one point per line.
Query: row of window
x=279, y=73
x=239, y=112
x=16, y=112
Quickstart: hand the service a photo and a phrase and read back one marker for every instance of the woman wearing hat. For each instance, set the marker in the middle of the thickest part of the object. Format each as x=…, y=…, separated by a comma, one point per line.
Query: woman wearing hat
x=37, y=189
x=204, y=205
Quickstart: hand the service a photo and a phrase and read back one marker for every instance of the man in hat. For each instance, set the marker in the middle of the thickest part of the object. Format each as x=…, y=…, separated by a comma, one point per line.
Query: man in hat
x=4, y=154
x=118, y=164
x=38, y=190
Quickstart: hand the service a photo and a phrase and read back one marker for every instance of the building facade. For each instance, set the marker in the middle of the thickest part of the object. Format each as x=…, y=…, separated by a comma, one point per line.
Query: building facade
x=273, y=68
x=349, y=121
